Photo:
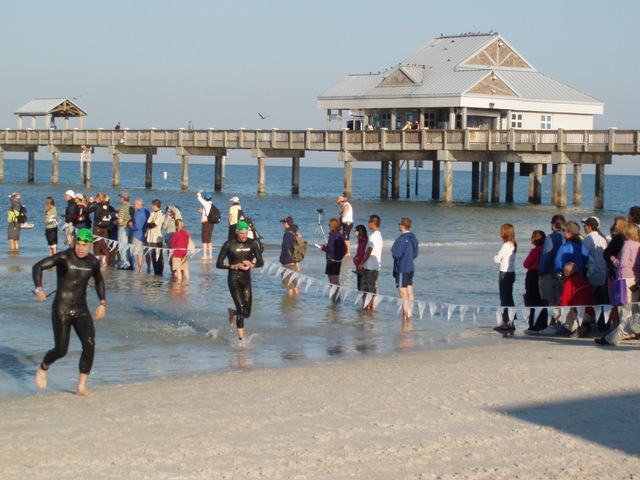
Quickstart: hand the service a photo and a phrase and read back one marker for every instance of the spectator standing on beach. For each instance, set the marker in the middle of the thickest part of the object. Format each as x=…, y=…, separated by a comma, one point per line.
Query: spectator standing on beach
x=140, y=217
x=634, y=215
x=153, y=237
x=548, y=281
x=75, y=267
x=13, y=232
x=286, y=260
x=532, y=296
x=101, y=224
x=51, y=224
x=207, y=226
x=334, y=251
x=576, y=291
x=572, y=250
x=171, y=214
x=404, y=251
x=611, y=252
x=180, y=256
x=506, y=257
x=363, y=239
x=372, y=262
x=70, y=213
x=629, y=265
x=595, y=243
x=346, y=222
x=82, y=219
x=235, y=215
x=125, y=232
x=242, y=255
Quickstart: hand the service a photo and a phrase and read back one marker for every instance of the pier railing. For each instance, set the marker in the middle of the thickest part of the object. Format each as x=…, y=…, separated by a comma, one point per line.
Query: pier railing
x=612, y=141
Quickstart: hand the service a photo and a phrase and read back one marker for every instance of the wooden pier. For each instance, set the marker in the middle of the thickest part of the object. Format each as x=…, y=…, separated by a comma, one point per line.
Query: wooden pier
x=538, y=152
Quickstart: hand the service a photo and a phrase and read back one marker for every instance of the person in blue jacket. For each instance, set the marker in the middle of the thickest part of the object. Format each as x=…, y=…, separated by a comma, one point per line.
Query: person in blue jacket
x=572, y=250
x=404, y=252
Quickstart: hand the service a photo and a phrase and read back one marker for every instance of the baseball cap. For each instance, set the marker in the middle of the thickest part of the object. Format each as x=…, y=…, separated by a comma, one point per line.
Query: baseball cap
x=71, y=193
x=288, y=220
x=207, y=196
x=79, y=195
x=572, y=228
x=84, y=236
x=242, y=227
x=234, y=200
x=124, y=195
x=593, y=222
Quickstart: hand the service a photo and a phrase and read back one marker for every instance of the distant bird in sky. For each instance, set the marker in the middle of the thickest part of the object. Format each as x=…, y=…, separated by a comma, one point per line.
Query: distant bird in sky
x=263, y=116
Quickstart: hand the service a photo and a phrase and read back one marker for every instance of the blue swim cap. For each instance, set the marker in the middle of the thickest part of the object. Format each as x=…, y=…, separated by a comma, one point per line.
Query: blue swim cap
x=207, y=196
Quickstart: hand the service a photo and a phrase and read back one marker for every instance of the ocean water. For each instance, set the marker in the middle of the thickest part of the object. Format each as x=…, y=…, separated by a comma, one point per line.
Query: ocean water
x=156, y=328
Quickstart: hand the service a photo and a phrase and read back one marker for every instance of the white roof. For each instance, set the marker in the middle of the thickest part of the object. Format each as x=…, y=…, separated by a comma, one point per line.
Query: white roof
x=475, y=65
x=44, y=106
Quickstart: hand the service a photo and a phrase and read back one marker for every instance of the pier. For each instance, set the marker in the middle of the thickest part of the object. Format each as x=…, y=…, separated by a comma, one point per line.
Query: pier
x=537, y=152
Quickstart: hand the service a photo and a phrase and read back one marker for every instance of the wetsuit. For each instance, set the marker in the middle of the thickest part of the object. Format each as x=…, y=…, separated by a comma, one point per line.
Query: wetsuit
x=239, y=281
x=70, y=303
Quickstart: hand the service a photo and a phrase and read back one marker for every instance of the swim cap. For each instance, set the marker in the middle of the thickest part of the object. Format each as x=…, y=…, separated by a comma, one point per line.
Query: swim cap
x=207, y=196
x=84, y=236
x=242, y=227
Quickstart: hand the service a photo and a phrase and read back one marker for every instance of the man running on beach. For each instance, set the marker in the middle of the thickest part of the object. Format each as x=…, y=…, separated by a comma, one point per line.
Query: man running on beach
x=74, y=267
x=243, y=255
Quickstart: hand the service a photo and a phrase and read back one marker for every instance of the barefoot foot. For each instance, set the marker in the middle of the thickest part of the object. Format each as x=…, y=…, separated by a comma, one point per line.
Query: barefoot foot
x=41, y=377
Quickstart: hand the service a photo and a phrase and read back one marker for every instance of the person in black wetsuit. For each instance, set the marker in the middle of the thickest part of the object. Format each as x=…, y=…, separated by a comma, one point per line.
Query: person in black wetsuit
x=74, y=268
x=243, y=254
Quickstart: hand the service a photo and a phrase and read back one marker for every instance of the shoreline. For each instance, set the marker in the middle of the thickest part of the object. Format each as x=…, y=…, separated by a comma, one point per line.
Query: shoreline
x=517, y=408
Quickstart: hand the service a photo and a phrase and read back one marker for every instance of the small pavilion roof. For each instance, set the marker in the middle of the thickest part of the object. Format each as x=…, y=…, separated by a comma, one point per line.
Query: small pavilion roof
x=56, y=107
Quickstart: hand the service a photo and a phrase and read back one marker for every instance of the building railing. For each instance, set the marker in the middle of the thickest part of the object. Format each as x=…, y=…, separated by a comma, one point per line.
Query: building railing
x=613, y=141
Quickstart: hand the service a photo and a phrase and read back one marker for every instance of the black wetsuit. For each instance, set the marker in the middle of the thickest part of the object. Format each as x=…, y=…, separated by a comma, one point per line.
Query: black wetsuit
x=239, y=281
x=70, y=303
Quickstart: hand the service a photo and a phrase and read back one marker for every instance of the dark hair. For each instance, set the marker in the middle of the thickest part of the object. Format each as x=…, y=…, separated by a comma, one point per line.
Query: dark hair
x=537, y=237
x=375, y=219
x=558, y=221
x=634, y=215
x=362, y=230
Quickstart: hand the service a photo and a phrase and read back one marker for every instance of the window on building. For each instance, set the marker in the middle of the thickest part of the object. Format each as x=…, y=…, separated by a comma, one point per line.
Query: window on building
x=516, y=120
x=545, y=122
x=384, y=120
x=430, y=120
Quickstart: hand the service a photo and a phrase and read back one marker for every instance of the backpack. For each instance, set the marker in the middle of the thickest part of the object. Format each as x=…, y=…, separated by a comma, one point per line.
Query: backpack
x=22, y=216
x=214, y=214
x=299, y=249
x=103, y=217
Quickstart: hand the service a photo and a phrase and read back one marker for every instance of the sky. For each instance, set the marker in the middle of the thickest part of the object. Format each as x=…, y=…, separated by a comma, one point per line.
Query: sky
x=218, y=63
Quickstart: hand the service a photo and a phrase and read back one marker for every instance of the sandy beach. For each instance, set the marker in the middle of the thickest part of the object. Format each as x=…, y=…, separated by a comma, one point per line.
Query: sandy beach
x=515, y=408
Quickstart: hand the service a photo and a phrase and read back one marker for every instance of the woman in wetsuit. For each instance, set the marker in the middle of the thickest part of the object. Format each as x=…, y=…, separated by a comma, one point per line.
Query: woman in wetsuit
x=74, y=268
x=243, y=254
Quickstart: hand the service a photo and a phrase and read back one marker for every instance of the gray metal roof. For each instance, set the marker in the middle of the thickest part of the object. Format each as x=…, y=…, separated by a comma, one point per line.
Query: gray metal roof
x=453, y=66
x=44, y=106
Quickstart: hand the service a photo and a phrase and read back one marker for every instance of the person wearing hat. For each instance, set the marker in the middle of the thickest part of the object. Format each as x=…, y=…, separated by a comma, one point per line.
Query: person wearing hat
x=70, y=213
x=125, y=232
x=346, y=222
x=290, y=232
x=235, y=215
x=75, y=268
x=572, y=250
x=242, y=255
x=595, y=243
x=13, y=232
x=207, y=226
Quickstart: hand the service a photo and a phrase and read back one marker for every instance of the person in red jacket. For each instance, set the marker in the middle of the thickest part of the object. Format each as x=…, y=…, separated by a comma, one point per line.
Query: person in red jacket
x=577, y=292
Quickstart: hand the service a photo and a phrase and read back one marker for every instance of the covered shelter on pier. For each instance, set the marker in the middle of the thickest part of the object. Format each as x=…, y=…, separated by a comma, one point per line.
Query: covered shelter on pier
x=50, y=109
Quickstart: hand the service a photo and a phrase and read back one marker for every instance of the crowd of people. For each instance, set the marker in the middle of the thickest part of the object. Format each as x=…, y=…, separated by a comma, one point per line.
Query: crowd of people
x=569, y=269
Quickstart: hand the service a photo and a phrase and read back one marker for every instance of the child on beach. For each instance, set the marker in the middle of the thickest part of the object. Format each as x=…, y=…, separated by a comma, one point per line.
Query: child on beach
x=179, y=260
x=506, y=257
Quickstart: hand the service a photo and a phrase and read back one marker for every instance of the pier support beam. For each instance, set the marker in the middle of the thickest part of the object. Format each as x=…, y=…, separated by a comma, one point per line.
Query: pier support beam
x=347, y=189
x=217, y=184
x=484, y=182
x=537, y=183
x=87, y=175
x=115, y=172
x=395, y=179
x=554, y=184
x=598, y=197
x=435, y=180
x=295, y=175
x=475, y=180
x=262, y=175
x=511, y=175
x=561, y=184
x=55, y=168
x=148, y=175
x=447, y=196
x=32, y=167
x=577, y=184
x=384, y=179
x=184, y=174
x=495, y=183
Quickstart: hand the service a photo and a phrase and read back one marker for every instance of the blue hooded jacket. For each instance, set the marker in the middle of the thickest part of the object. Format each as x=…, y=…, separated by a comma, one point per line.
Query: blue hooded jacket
x=404, y=251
